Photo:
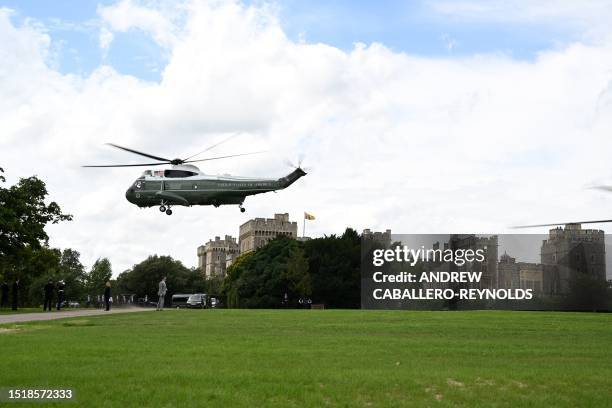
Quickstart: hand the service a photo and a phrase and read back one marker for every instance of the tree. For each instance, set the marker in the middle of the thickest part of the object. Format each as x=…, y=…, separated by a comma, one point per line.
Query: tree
x=24, y=215
x=37, y=267
x=100, y=273
x=326, y=269
x=47, y=263
x=229, y=288
x=24, y=250
x=213, y=286
x=296, y=275
x=587, y=293
x=334, y=265
x=260, y=279
x=143, y=278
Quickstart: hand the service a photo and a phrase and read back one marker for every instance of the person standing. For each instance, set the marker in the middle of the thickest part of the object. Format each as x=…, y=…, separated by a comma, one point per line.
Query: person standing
x=107, y=296
x=15, y=294
x=161, y=293
x=60, y=294
x=49, y=287
x=5, y=292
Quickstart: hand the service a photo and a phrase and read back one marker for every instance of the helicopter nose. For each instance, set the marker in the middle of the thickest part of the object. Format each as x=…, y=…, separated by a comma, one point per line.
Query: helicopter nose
x=129, y=194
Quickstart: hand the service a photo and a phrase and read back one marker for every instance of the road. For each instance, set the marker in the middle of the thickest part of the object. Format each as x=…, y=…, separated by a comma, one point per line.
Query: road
x=29, y=317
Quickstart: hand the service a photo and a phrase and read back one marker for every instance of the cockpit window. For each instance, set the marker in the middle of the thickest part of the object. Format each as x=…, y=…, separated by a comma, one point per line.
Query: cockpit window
x=147, y=173
x=139, y=184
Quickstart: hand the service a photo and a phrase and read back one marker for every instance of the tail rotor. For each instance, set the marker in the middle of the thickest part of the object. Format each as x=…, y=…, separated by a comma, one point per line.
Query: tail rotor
x=291, y=164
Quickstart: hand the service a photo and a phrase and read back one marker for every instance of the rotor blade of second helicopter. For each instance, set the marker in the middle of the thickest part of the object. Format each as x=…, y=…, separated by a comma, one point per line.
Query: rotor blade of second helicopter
x=603, y=188
x=562, y=223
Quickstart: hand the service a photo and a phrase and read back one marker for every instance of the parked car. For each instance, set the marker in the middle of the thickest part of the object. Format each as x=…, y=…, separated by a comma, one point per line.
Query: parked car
x=215, y=303
x=197, y=301
x=145, y=302
x=180, y=300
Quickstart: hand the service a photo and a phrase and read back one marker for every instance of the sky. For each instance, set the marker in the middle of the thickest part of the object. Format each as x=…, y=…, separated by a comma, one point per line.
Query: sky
x=431, y=116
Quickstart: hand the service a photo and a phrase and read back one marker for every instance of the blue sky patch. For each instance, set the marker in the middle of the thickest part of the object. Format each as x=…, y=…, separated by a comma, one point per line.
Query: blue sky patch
x=410, y=27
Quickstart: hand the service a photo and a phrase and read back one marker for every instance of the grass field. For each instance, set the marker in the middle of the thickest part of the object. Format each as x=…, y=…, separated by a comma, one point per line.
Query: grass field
x=316, y=358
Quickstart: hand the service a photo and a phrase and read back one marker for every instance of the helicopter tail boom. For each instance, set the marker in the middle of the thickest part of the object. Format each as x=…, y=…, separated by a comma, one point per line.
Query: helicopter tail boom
x=291, y=177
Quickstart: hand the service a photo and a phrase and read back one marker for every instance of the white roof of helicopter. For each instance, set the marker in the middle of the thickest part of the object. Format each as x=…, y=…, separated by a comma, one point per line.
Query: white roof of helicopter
x=157, y=174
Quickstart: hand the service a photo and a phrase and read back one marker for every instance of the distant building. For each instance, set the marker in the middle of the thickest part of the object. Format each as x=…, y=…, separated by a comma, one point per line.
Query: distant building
x=488, y=245
x=519, y=275
x=214, y=255
x=572, y=250
x=230, y=258
x=488, y=267
x=531, y=276
x=508, y=276
x=383, y=238
x=257, y=232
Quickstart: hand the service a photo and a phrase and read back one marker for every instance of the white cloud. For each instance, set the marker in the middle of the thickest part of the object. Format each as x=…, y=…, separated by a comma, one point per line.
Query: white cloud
x=521, y=10
x=591, y=16
x=125, y=15
x=105, y=38
x=397, y=141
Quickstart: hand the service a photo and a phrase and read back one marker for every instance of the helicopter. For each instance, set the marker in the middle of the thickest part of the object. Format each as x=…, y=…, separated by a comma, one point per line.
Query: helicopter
x=185, y=185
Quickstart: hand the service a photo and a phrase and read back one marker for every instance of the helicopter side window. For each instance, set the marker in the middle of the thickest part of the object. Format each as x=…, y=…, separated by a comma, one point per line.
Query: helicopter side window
x=153, y=185
x=178, y=173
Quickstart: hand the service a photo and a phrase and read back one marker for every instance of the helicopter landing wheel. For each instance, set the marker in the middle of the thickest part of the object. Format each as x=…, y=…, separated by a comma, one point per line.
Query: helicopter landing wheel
x=169, y=211
x=242, y=209
x=162, y=208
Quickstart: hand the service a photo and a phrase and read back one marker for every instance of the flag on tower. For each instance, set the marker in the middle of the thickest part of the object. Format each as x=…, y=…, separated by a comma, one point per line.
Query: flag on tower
x=306, y=217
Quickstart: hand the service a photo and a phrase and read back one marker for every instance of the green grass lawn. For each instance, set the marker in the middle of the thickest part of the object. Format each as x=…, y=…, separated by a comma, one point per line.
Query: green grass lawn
x=254, y=358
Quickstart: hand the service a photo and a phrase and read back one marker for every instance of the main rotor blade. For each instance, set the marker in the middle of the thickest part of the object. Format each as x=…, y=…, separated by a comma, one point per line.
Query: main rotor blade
x=212, y=147
x=130, y=165
x=604, y=188
x=150, y=156
x=224, y=157
x=562, y=223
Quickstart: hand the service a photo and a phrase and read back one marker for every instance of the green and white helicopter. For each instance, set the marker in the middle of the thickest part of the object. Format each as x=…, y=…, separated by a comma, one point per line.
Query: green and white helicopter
x=184, y=184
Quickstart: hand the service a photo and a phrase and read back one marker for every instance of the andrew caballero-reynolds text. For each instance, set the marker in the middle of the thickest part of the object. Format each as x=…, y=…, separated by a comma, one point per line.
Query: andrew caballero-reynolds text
x=458, y=257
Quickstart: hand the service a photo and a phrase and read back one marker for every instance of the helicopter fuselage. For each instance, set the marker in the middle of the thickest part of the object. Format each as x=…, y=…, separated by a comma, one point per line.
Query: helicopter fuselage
x=187, y=186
